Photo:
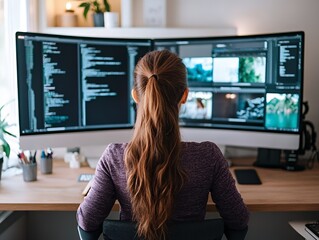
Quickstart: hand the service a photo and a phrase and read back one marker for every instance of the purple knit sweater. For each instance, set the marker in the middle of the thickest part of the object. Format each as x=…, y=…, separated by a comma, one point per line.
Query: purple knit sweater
x=207, y=172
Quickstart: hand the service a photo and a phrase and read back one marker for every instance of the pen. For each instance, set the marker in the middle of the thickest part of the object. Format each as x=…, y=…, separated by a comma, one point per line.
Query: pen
x=49, y=153
x=30, y=157
x=22, y=157
x=43, y=155
x=34, y=157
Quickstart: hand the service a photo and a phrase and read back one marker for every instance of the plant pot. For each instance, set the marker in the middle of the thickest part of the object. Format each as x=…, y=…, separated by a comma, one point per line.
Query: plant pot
x=98, y=19
x=111, y=19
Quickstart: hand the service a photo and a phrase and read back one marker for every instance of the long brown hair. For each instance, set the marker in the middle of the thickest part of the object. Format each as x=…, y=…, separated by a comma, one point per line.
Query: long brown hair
x=152, y=157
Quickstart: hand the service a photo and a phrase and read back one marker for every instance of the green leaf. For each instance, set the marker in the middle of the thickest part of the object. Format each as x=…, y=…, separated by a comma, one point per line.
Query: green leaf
x=107, y=6
x=5, y=144
x=94, y=6
x=3, y=132
x=86, y=8
x=83, y=4
x=4, y=106
x=6, y=149
x=9, y=133
x=97, y=7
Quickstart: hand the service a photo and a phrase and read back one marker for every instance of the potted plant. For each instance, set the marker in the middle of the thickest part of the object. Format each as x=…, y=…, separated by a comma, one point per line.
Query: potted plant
x=98, y=10
x=4, y=133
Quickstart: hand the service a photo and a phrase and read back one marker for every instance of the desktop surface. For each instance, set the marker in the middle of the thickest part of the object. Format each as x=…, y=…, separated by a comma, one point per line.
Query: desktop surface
x=61, y=191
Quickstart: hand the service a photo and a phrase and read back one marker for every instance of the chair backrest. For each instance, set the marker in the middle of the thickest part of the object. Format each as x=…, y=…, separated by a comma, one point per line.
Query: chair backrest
x=209, y=229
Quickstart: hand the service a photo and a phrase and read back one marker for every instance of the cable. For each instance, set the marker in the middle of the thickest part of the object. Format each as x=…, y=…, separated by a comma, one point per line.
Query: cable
x=311, y=160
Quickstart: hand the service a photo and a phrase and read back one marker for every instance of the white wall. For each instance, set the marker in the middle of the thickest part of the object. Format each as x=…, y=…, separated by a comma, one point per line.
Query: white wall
x=254, y=17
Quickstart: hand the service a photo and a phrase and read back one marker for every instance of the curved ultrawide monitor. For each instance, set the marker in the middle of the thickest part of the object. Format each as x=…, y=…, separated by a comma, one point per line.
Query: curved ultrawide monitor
x=244, y=90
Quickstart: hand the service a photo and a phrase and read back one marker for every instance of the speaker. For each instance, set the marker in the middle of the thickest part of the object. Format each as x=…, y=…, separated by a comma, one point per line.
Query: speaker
x=291, y=157
x=308, y=135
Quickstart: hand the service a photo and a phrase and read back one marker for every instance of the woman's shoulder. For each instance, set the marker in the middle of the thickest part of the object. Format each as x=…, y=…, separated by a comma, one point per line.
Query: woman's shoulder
x=115, y=147
x=113, y=153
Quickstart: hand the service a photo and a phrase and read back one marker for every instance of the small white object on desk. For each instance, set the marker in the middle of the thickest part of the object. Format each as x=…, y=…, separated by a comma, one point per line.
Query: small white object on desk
x=75, y=161
x=68, y=18
x=70, y=155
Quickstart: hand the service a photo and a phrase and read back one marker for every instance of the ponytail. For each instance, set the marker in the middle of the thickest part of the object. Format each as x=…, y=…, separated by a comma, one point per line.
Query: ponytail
x=152, y=157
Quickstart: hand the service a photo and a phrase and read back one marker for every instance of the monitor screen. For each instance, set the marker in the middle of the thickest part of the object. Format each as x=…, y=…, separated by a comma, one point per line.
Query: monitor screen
x=250, y=87
x=244, y=90
x=72, y=85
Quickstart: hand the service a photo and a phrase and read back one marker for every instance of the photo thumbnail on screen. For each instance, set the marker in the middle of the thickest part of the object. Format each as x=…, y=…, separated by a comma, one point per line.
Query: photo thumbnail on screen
x=248, y=70
x=199, y=69
x=244, y=107
x=282, y=111
x=198, y=106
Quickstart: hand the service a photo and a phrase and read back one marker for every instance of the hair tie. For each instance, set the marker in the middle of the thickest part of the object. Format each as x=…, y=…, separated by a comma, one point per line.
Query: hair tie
x=153, y=75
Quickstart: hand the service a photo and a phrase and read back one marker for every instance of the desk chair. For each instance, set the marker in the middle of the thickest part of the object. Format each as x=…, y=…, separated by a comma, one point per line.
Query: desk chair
x=210, y=229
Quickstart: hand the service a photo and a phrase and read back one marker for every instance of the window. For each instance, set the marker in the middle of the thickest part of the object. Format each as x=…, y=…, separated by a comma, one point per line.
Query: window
x=3, y=83
x=10, y=23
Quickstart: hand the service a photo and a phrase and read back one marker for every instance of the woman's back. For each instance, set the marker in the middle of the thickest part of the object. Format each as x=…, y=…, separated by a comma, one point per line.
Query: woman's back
x=206, y=172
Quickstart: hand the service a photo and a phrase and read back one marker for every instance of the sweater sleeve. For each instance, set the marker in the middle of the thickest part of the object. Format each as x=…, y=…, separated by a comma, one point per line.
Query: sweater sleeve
x=97, y=205
x=228, y=200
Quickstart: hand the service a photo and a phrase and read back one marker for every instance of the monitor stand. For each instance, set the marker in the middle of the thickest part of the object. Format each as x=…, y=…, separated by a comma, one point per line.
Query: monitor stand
x=268, y=158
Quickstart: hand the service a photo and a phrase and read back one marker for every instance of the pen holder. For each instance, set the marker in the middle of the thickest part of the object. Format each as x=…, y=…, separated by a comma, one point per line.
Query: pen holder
x=46, y=165
x=29, y=172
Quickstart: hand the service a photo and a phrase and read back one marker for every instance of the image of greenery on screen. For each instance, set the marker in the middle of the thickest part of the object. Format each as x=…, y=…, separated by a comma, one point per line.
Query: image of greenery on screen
x=248, y=69
x=252, y=69
x=282, y=111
